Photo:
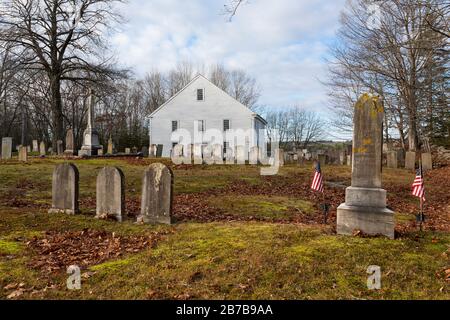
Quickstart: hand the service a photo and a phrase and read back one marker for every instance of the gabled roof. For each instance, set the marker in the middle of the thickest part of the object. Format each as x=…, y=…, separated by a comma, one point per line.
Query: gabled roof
x=191, y=82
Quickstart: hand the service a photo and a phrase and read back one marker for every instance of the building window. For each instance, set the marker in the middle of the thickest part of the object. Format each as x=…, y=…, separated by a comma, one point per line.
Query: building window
x=225, y=147
x=201, y=125
x=174, y=126
x=200, y=95
x=226, y=125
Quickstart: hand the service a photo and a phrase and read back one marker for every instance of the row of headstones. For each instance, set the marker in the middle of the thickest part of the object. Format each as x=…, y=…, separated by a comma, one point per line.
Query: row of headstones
x=156, y=202
x=394, y=158
x=214, y=154
x=23, y=151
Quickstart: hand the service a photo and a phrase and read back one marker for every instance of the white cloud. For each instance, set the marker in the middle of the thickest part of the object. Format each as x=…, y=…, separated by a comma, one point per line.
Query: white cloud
x=281, y=43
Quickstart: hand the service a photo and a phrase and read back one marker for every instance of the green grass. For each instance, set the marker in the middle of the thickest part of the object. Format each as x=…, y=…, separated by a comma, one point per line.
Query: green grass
x=218, y=260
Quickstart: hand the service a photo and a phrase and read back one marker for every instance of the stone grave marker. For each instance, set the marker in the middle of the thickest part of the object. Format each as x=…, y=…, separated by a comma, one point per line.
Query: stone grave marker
x=365, y=201
x=23, y=154
x=6, y=148
x=157, y=193
x=127, y=151
x=410, y=160
x=240, y=155
x=70, y=146
x=111, y=194
x=35, y=146
x=392, y=159
x=59, y=147
x=65, y=189
x=427, y=161
x=42, y=149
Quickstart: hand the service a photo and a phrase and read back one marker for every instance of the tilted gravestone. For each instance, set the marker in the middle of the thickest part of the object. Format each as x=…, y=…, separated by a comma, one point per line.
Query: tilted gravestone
x=410, y=160
x=253, y=156
x=42, y=149
x=111, y=194
x=392, y=159
x=6, y=148
x=59, y=148
x=70, y=147
x=65, y=189
x=365, y=201
x=23, y=154
x=157, y=190
x=427, y=161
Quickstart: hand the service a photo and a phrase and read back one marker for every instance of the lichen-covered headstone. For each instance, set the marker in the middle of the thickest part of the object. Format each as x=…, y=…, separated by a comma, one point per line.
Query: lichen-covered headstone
x=157, y=189
x=111, y=194
x=392, y=159
x=6, y=148
x=427, y=161
x=65, y=189
x=70, y=147
x=410, y=160
x=365, y=201
x=23, y=154
x=42, y=150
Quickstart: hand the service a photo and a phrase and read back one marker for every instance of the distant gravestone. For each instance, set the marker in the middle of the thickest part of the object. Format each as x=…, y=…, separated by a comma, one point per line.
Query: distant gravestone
x=23, y=154
x=6, y=148
x=240, y=155
x=207, y=151
x=100, y=151
x=188, y=152
x=144, y=151
x=229, y=156
x=159, y=150
x=342, y=158
x=218, y=154
x=365, y=201
x=279, y=157
x=152, y=152
x=59, y=147
x=28, y=149
x=65, y=189
x=198, y=155
x=323, y=159
x=253, y=156
x=127, y=151
x=427, y=161
x=134, y=150
x=70, y=146
x=157, y=189
x=35, y=146
x=410, y=160
x=42, y=149
x=392, y=159
x=111, y=194
x=110, y=150
x=349, y=161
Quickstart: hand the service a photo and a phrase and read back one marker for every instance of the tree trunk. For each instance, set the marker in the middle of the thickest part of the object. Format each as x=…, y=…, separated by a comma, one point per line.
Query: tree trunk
x=56, y=104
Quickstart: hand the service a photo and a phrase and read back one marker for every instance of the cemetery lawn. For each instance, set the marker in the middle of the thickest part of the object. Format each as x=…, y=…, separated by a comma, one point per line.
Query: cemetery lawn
x=238, y=236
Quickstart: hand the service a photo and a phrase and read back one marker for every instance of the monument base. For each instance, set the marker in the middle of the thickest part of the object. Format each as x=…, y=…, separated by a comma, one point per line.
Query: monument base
x=369, y=220
x=153, y=220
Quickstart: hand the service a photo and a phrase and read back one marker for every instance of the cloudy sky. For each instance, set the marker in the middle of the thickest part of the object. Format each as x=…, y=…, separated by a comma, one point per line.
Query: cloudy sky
x=282, y=43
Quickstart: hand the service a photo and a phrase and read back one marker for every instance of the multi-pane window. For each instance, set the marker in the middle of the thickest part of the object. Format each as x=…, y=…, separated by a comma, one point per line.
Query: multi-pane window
x=201, y=125
x=174, y=126
x=226, y=125
x=200, y=95
x=225, y=147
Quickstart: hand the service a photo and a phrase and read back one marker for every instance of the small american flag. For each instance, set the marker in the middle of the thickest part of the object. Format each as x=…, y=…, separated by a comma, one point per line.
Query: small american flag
x=317, y=184
x=418, y=185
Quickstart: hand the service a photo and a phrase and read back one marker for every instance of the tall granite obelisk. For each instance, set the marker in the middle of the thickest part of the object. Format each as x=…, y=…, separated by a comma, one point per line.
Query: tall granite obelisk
x=91, y=143
x=365, y=201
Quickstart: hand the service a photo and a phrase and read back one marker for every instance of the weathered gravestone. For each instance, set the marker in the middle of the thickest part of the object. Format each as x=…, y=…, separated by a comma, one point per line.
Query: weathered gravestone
x=65, y=189
x=110, y=150
x=144, y=151
x=159, y=150
x=229, y=156
x=134, y=150
x=198, y=157
x=111, y=194
x=152, y=153
x=253, y=156
x=349, y=161
x=365, y=202
x=6, y=148
x=23, y=154
x=59, y=148
x=28, y=149
x=218, y=154
x=410, y=160
x=427, y=161
x=70, y=146
x=35, y=146
x=100, y=151
x=240, y=154
x=157, y=189
x=127, y=151
x=323, y=159
x=279, y=157
x=42, y=149
x=392, y=159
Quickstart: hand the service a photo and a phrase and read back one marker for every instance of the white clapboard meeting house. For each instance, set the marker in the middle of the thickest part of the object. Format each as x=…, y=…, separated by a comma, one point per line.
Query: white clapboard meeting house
x=202, y=113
